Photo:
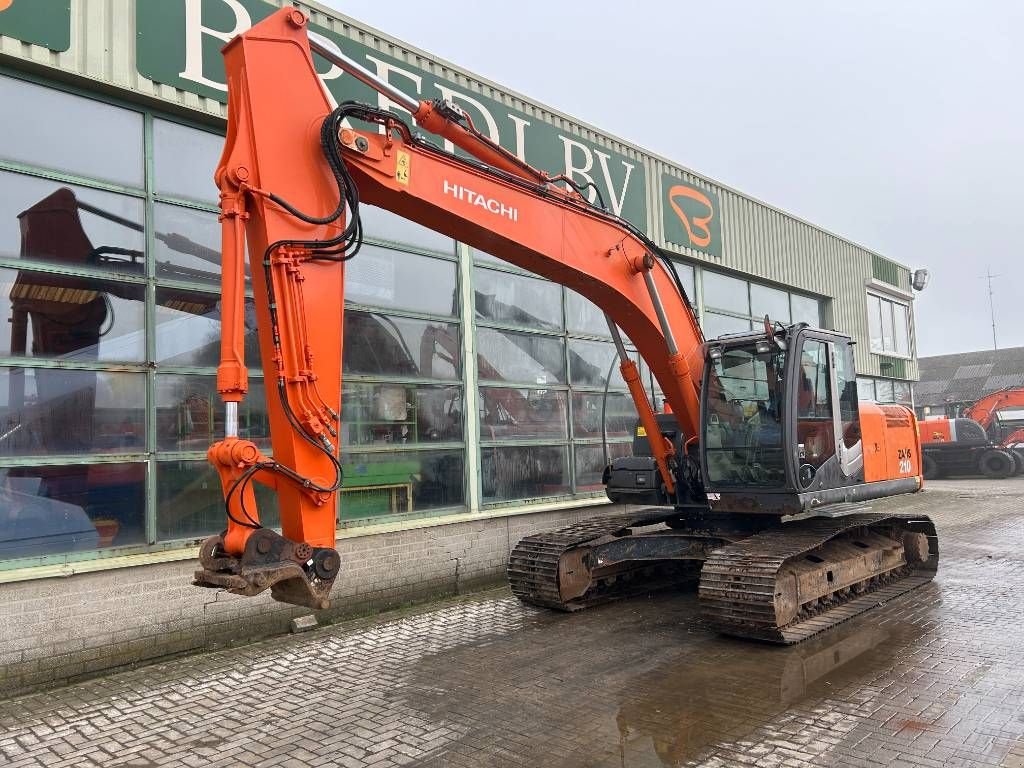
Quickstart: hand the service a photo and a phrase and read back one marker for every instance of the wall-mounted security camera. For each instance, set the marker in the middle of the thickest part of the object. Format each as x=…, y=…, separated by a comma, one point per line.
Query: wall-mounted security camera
x=920, y=279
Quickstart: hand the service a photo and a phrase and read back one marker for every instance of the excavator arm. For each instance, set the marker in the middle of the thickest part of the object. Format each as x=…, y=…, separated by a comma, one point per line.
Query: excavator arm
x=986, y=412
x=292, y=176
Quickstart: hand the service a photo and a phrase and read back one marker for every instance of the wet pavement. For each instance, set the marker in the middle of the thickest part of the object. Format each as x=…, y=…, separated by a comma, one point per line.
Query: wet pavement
x=934, y=678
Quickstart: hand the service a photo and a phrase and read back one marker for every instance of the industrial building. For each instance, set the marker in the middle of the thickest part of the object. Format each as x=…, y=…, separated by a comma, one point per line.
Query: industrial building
x=472, y=393
x=948, y=384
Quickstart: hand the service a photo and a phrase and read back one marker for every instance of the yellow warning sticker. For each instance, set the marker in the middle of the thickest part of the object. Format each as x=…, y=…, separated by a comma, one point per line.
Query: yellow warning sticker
x=641, y=432
x=402, y=168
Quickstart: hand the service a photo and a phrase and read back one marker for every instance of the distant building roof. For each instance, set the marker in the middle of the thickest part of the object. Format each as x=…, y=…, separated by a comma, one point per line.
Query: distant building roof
x=967, y=376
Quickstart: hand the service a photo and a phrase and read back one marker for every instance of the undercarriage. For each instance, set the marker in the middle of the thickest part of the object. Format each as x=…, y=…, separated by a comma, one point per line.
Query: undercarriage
x=758, y=577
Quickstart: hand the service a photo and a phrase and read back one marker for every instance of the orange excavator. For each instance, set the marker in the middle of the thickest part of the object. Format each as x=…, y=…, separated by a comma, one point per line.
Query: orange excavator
x=1001, y=415
x=757, y=482
x=987, y=439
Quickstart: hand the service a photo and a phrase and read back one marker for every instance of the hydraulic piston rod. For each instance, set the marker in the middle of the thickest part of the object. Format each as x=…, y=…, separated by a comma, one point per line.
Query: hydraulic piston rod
x=445, y=120
x=365, y=76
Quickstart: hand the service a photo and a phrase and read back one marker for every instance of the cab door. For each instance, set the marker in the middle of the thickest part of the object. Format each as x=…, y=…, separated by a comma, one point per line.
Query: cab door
x=827, y=442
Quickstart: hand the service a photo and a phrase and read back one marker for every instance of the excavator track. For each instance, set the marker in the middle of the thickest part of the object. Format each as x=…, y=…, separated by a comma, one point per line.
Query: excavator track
x=744, y=586
x=533, y=566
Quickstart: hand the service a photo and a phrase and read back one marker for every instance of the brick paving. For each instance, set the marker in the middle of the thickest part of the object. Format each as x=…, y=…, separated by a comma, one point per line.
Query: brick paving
x=932, y=679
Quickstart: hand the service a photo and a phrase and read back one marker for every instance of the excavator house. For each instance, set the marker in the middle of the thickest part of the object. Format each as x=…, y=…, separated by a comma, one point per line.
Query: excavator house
x=755, y=481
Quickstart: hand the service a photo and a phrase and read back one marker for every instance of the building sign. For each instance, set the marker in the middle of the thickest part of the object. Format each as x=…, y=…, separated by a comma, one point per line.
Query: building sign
x=39, y=22
x=179, y=44
x=692, y=216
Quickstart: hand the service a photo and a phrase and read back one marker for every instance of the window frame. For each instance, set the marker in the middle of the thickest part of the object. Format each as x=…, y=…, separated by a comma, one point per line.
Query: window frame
x=571, y=441
x=702, y=308
x=893, y=302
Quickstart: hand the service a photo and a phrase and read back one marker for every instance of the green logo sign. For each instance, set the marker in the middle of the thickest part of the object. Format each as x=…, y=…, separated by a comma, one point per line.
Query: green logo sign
x=39, y=22
x=179, y=44
x=692, y=216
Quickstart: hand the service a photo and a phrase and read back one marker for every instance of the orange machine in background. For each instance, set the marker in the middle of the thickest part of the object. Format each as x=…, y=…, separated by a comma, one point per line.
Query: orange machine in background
x=987, y=440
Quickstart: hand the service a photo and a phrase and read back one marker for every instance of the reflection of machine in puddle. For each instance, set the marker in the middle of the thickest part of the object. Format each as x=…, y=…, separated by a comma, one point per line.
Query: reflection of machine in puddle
x=685, y=707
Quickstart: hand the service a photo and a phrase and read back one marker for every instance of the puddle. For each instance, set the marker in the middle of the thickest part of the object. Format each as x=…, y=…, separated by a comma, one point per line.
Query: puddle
x=693, y=703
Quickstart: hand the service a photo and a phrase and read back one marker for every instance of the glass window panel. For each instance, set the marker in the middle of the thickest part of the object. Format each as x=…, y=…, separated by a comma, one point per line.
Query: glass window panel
x=815, y=431
x=742, y=438
x=715, y=325
x=502, y=297
x=51, y=510
x=190, y=502
x=184, y=161
x=590, y=464
x=724, y=292
x=190, y=414
x=1010, y=415
x=875, y=323
x=188, y=244
x=65, y=224
x=71, y=134
x=902, y=329
x=901, y=392
x=519, y=357
x=188, y=328
x=846, y=386
x=888, y=340
x=686, y=277
x=401, y=482
x=400, y=414
x=384, y=278
x=523, y=413
x=385, y=225
x=884, y=390
x=805, y=310
x=865, y=389
x=620, y=415
x=380, y=345
x=60, y=317
x=54, y=411
x=769, y=301
x=524, y=472
x=583, y=316
x=591, y=361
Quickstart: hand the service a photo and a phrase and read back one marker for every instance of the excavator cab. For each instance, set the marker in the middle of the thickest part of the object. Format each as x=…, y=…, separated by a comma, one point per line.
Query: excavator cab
x=781, y=428
x=781, y=421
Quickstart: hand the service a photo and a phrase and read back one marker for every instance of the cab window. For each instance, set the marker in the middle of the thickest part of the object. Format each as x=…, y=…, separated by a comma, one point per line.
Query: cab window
x=815, y=431
x=743, y=431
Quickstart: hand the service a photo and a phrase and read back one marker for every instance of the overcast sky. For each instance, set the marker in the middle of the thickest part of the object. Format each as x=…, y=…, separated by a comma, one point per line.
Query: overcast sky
x=899, y=125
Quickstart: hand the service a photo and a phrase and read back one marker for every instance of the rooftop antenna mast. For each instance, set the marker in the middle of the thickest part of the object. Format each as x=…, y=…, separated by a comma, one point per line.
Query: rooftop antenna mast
x=991, y=305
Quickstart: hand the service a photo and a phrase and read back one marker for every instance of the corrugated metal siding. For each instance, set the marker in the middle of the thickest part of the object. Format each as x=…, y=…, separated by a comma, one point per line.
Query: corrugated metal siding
x=757, y=239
